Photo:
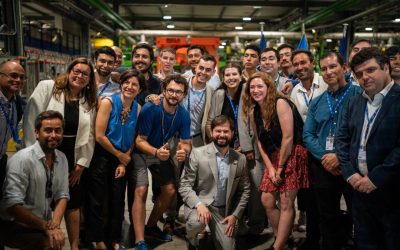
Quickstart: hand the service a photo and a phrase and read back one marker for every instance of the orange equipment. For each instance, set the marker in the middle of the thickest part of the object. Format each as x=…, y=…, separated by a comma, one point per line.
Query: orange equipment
x=180, y=44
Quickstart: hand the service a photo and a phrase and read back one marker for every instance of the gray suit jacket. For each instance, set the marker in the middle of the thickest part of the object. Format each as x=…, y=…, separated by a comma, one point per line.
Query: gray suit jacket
x=199, y=181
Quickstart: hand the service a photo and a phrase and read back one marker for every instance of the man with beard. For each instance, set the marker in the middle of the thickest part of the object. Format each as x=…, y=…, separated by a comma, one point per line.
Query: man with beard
x=12, y=77
x=142, y=58
x=104, y=58
x=215, y=187
x=194, y=53
x=36, y=190
x=157, y=127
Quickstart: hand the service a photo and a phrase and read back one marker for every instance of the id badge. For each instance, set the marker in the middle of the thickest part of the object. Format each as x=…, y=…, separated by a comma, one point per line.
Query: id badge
x=329, y=142
x=362, y=160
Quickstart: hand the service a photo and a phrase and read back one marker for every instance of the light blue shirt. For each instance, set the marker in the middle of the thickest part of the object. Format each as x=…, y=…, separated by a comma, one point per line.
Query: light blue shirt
x=108, y=89
x=197, y=99
x=26, y=179
x=223, y=175
x=5, y=131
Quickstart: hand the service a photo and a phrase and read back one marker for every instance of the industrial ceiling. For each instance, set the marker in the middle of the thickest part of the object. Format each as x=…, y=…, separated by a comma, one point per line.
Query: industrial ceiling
x=322, y=16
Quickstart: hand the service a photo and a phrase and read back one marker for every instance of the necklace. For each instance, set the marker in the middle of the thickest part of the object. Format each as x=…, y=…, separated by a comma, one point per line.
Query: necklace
x=125, y=113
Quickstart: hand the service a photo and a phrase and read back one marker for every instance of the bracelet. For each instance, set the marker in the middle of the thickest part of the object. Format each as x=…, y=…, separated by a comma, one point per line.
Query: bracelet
x=155, y=154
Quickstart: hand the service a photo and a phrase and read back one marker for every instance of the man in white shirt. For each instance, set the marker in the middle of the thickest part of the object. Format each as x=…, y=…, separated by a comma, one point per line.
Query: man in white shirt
x=194, y=53
x=311, y=83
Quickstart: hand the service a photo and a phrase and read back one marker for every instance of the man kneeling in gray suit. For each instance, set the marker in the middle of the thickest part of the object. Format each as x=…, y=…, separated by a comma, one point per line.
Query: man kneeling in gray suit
x=215, y=187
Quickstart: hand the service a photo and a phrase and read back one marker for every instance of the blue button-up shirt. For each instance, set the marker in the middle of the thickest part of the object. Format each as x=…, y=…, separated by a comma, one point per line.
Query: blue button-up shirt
x=319, y=124
x=223, y=175
x=5, y=131
x=26, y=178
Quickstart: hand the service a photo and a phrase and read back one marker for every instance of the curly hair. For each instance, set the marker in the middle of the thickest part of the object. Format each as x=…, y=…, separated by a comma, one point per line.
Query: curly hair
x=89, y=93
x=268, y=107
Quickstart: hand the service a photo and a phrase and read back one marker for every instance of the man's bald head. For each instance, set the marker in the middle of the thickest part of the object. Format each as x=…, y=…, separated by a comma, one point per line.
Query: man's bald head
x=118, y=58
x=12, y=77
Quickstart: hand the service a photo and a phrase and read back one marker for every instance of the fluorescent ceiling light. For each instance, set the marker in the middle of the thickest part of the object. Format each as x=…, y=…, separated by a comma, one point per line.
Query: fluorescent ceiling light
x=221, y=47
x=368, y=29
x=170, y=26
x=397, y=20
x=256, y=7
x=167, y=17
x=238, y=28
x=223, y=43
x=246, y=18
x=328, y=40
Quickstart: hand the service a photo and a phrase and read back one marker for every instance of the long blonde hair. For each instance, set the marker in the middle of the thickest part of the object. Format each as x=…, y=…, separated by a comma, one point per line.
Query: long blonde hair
x=268, y=106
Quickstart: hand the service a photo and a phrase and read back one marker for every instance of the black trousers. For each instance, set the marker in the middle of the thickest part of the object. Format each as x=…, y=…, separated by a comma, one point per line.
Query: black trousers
x=312, y=219
x=335, y=225
x=105, y=198
x=3, y=165
x=377, y=220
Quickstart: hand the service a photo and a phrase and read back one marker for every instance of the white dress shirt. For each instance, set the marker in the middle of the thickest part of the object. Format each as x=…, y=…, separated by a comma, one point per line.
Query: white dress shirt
x=299, y=94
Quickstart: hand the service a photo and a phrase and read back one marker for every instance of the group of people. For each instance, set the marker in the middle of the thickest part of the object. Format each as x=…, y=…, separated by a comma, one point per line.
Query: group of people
x=232, y=150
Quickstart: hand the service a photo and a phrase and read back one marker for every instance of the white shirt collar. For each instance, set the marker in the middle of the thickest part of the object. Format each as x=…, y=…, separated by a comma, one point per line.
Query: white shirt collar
x=315, y=83
x=379, y=96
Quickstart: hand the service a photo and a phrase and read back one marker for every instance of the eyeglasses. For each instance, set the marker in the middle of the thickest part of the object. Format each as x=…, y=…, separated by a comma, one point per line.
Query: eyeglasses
x=178, y=93
x=77, y=72
x=14, y=76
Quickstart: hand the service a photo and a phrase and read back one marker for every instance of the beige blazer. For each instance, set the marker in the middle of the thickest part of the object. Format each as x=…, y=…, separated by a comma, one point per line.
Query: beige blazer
x=215, y=109
x=199, y=180
x=42, y=96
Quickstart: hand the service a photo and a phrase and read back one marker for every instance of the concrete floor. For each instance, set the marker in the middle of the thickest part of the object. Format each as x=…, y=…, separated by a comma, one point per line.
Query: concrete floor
x=261, y=242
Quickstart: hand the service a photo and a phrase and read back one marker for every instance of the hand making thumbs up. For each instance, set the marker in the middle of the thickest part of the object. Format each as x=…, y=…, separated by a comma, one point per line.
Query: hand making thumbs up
x=163, y=152
x=180, y=153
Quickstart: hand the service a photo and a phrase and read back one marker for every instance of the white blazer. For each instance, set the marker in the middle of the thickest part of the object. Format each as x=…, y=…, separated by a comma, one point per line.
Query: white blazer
x=42, y=96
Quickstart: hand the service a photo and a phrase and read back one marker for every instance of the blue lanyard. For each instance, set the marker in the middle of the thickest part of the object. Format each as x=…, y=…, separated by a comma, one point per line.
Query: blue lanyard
x=277, y=81
x=14, y=130
x=235, y=110
x=369, y=121
x=165, y=135
x=104, y=88
x=305, y=97
x=201, y=98
x=333, y=111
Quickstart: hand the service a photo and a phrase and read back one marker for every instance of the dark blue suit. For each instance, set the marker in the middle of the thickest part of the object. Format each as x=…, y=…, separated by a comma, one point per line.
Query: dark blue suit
x=376, y=215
